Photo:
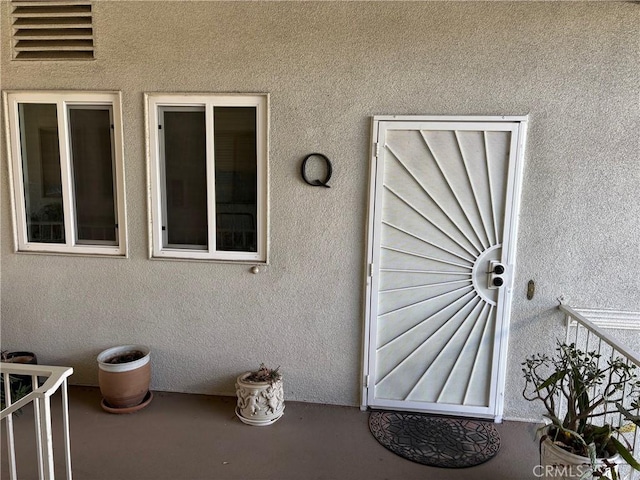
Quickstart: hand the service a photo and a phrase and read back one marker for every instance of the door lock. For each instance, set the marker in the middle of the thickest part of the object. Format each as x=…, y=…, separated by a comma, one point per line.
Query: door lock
x=495, y=275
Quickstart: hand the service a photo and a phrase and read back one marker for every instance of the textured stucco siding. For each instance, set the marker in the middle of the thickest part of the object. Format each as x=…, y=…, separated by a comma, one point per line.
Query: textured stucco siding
x=573, y=67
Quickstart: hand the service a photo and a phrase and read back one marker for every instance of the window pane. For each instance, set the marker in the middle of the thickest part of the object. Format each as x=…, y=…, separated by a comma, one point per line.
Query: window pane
x=236, y=178
x=185, y=192
x=41, y=172
x=92, y=165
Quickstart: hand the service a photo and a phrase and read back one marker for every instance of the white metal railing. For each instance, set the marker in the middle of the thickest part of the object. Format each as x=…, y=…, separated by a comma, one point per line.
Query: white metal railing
x=588, y=335
x=40, y=396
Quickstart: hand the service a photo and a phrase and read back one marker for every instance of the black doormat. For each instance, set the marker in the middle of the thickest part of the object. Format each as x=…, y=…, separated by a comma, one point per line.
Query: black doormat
x=436, y=441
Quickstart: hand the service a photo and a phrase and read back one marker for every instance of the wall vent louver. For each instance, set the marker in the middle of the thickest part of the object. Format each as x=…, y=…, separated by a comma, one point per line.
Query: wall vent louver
x=52, y=30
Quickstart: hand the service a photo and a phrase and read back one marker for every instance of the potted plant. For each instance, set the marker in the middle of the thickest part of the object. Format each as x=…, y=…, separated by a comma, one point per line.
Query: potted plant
x=260, y=396
x=124, y=375
x=576, y=444
x=19, y=385
x=17, y=390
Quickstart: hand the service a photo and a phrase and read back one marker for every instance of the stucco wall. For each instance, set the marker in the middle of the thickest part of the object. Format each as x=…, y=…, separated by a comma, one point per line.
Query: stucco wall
x=573, y=67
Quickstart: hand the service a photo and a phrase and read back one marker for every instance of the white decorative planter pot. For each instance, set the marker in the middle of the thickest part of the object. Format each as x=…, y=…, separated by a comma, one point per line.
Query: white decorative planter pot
x=259, y=403
x=559, y=464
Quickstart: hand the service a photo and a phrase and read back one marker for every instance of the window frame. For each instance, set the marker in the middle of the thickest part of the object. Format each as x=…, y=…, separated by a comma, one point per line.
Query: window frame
x=155, y=174
x=64, y=100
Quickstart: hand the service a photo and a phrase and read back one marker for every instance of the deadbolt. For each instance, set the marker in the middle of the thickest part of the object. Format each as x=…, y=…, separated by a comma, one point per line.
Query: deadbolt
x=494, y=274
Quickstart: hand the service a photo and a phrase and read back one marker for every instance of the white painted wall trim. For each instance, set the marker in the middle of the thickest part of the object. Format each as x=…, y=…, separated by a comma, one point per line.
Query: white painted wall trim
x=452, y=118
x=538, y=421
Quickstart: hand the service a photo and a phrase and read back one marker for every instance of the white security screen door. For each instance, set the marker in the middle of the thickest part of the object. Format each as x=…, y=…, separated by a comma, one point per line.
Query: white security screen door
x=442, y=227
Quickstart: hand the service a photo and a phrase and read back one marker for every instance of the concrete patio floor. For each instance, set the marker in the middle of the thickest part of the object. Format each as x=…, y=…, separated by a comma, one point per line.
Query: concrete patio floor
x=198, y=437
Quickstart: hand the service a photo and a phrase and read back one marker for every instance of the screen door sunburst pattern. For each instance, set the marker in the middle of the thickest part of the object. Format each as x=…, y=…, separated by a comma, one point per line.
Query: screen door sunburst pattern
x=441, y=255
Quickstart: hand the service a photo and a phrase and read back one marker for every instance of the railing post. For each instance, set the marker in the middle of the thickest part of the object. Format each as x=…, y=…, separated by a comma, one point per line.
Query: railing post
x=36, y=422
x=11, y=445
x=65, y=420
x=46, y=438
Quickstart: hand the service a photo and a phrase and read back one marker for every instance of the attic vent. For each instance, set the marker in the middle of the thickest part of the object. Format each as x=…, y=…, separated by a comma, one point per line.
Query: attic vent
x=52, y=30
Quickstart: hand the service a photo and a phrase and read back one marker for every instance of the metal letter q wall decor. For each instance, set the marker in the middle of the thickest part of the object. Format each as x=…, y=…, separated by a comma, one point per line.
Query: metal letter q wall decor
x=317, y=182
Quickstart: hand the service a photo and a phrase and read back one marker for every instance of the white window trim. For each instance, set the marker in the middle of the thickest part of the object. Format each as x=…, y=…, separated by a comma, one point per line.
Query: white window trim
x=154, y=174
x=62, y=99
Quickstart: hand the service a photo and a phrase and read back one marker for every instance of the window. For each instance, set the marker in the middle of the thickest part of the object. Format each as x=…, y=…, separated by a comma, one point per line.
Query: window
x=67, y=169
x=208, y=176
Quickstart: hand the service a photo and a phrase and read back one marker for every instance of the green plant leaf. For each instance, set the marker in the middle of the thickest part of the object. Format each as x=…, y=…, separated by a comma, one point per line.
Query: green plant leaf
x=626, y=454
x=575, y=435
x=554, y=420
x=553, y=379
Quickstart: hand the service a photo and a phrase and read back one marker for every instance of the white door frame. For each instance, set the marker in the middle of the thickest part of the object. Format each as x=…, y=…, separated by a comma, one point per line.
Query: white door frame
x=514, y=187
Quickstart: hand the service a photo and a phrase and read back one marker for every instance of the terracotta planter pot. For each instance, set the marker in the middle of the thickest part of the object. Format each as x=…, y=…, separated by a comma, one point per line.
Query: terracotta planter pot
x=125, y=384
x=28, y=358
x=259, y=403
